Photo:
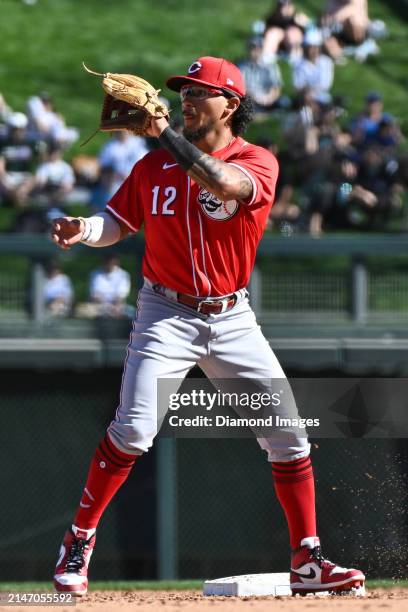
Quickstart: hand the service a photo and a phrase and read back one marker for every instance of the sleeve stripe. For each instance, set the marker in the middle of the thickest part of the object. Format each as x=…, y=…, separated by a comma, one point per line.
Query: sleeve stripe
x=121, y=218
x=254, y=185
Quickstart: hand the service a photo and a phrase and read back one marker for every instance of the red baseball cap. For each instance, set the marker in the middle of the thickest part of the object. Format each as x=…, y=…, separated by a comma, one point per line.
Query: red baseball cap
x=213, y=72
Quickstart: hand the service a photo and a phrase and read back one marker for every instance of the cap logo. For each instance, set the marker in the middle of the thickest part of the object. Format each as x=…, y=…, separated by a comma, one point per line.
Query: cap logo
x=195, y=67
x=230, y=82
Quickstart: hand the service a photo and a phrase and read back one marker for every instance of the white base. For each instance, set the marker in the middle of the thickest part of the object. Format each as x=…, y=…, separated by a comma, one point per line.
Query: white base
x=249, y=585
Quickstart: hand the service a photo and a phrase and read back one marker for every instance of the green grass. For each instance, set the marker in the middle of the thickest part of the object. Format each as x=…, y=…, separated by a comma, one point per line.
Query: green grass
x=387, y=584
x=43, y=47
x=161, y=585
x=119, y=585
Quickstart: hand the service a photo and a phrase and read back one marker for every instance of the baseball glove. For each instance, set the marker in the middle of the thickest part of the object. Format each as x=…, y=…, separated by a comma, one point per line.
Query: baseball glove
x=130, y=103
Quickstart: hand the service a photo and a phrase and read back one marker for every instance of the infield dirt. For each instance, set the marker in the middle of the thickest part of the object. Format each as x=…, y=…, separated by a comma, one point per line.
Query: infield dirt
x=387, y=600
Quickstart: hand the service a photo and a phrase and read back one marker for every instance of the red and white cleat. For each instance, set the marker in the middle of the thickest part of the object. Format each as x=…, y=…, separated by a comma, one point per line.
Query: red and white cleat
x=310, y=572
x=71, y=572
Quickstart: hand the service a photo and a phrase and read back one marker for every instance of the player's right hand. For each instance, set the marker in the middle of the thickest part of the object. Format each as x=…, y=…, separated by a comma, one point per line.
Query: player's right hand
x=66, y=231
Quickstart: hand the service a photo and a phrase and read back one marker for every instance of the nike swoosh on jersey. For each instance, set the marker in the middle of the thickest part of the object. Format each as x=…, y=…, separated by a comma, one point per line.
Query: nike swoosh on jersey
x=309, y=576
x=166, y=165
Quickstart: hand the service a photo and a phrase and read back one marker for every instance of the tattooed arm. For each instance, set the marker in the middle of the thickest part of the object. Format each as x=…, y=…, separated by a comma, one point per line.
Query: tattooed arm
x=224, y=180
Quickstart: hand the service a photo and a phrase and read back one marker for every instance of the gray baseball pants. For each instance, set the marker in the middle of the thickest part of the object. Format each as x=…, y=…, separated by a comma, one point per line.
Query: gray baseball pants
x=166, y=341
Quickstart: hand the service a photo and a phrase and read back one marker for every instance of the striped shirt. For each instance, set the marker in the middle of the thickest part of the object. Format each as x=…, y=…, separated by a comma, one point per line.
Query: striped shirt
x=261, y=77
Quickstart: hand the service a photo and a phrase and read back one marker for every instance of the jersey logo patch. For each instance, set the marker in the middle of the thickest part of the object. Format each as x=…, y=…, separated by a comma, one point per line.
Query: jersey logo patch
x=215, y=208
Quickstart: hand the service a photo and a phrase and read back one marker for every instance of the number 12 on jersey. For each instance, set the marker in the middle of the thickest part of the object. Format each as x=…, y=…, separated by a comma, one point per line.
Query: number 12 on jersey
x=169, y=194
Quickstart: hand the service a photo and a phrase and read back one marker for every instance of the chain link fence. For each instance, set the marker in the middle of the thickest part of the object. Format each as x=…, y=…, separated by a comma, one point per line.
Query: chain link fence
x=227, y=519
x=388, y=293
x=300, y=292
x=13, y=294
x=230, y=521
x=308, y=294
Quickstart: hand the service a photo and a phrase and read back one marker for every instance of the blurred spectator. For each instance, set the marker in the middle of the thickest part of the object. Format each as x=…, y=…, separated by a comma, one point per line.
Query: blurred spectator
x=328, y=126
x=343, y=144
x=17, y=156
x=34, y=220
x=15, y=145
x=348, y=19
x=346, y=23
x=86, y=169
x=46, y=124
x=284, y=28
x=263, y=79
x=357, y=195
x=365, y=124
x=58, y=292
x=328, y=137
x=53, y=181
x=108, y=289
x=315, y=70
x=110, y=284
x=285, y=212
x=377, y=186
x=103, y=189
x=121, y=153
x=373, y=125
x=5, y=110
x=328, y=199
x=314, y=140
x=331, y=136
x=388, y=135
x=300, y=129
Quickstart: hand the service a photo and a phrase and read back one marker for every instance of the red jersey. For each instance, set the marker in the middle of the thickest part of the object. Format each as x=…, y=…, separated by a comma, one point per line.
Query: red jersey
x=194, y=242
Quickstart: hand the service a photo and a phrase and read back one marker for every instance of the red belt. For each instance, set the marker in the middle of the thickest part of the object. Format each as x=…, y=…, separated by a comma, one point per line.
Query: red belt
x=207, y=306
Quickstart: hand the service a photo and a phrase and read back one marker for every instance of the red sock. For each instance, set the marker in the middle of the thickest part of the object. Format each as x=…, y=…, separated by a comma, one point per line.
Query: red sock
x=108, y=471
x=294, y=486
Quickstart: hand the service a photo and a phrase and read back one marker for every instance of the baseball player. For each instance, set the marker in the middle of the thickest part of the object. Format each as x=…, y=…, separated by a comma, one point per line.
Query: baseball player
x=203, y=199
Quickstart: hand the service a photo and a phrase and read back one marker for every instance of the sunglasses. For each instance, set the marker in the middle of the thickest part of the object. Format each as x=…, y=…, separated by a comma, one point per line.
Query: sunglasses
x=200, y=93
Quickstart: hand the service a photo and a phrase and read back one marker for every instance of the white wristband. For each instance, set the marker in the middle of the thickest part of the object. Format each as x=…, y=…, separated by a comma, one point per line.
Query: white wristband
x=100, y=230
x=87, y=229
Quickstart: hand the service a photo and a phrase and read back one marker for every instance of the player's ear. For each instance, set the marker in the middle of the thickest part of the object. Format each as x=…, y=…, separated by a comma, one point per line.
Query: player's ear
x=231, y=106
x=233, y=103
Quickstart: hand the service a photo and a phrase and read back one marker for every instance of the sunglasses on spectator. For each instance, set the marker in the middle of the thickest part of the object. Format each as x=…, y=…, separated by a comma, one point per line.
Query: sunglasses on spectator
x=201, y=93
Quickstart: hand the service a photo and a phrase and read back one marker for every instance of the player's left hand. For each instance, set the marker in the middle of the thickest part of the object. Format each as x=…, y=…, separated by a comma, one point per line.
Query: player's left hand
x=130, y=103
x=157, y=126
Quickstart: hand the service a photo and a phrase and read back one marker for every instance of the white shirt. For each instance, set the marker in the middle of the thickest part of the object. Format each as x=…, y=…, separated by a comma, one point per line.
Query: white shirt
x=38, y=112
x=318, y=76
x=59, y=287
x=121, y=156
x=44, y=121
x=109, y=286
x=56, y=172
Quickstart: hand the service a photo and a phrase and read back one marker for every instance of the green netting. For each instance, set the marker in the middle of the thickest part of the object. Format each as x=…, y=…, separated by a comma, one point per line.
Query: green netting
x=228, y=518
